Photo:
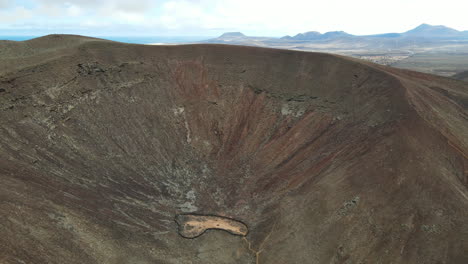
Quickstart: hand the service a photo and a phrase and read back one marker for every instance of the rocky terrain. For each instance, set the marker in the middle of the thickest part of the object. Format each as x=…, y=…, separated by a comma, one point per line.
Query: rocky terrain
x=324, y=158
x=461, y=76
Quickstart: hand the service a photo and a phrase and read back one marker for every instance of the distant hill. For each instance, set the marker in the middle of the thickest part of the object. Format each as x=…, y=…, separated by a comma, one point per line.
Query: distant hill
x=429, y=31
x=238, y=38
x=314, y=35
x=422, y=31
x=384, y=48
x=336, y=34
x=232, y=35
x=304, y=36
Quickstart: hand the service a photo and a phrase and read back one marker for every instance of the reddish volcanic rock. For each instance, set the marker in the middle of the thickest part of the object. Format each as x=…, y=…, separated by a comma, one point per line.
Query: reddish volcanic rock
x=326, y=159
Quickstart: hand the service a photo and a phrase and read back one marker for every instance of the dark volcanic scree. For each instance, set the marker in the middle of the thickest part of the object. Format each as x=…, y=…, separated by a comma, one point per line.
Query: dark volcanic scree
x=301, y=157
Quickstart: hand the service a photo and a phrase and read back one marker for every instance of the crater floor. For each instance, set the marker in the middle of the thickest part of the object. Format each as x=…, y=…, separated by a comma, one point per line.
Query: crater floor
x=192, y=226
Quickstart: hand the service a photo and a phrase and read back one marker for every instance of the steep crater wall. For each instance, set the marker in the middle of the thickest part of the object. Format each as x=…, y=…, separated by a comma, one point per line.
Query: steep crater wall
x=103, y=145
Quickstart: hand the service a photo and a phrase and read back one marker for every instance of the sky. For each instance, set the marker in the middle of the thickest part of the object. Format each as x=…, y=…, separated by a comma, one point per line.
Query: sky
x=213, y=17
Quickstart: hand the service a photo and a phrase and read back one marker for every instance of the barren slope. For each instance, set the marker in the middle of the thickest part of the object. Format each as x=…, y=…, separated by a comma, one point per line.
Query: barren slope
x=461, y=76
x=325, y=159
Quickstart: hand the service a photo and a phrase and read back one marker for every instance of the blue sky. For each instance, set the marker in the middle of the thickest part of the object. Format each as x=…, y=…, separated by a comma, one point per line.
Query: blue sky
x=213, y=17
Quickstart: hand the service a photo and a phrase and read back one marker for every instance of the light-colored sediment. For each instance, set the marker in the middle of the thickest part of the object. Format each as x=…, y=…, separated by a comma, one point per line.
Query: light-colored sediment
x=191, y=226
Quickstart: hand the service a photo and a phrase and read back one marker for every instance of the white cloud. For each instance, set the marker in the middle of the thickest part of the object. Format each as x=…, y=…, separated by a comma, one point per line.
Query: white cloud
x=293, y=16
x=132, y=6
x=253, y=17
x=5, y=3
x=74, y=10
x=14, y=15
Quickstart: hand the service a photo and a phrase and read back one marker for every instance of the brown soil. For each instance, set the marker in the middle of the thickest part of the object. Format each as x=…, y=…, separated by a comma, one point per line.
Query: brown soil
x=326, y=159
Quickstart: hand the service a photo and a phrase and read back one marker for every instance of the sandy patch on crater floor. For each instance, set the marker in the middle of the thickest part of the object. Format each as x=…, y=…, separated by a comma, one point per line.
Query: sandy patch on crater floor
x=192, y=226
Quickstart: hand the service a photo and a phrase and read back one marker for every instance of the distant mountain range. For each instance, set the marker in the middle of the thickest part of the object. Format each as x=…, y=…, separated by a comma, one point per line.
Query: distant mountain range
x=314, y=35
x=433, y=49
x=423, y=31
x=422, y=36
x=436, y=49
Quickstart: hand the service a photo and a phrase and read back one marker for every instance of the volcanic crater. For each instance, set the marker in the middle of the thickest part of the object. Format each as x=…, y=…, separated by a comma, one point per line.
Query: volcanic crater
x=308, y=157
